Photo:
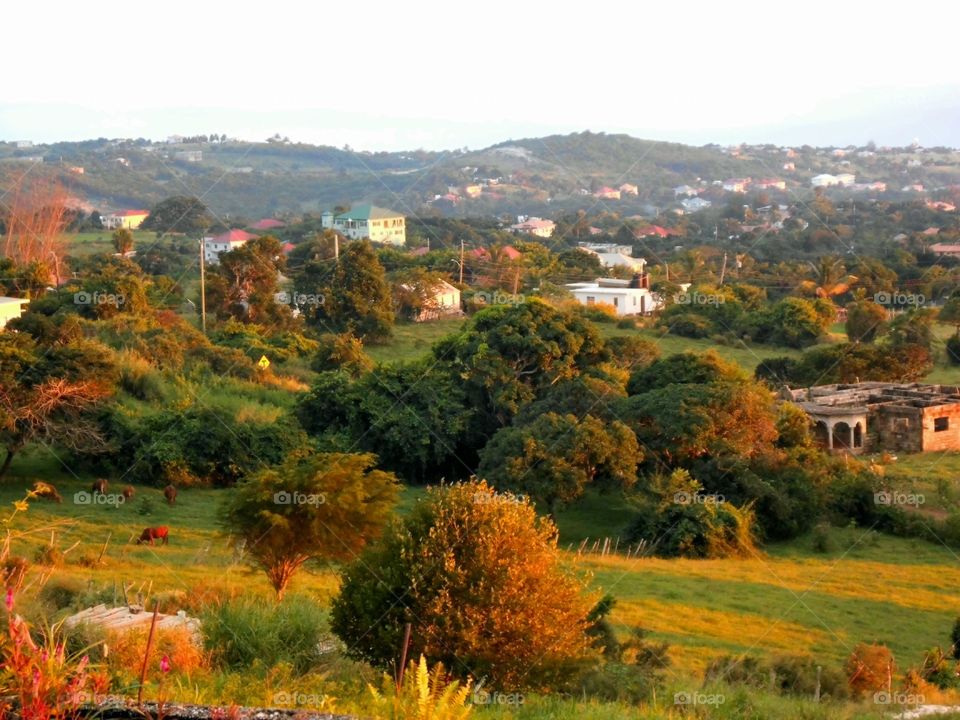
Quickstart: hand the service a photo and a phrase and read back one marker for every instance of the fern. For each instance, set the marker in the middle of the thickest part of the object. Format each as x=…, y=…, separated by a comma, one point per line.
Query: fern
x=424, y=695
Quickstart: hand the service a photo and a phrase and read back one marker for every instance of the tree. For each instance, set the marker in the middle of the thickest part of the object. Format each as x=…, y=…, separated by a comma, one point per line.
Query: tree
x=320, y=506
x=33, y=217
x=555, y=457
x=341, y=352
x=510, y=352
x=357, y=299
x=179, y=214
x=122, y=240
x=50, y=394
x=913, y=327
x=480, y=578
x=865, y=320
x=245, y=286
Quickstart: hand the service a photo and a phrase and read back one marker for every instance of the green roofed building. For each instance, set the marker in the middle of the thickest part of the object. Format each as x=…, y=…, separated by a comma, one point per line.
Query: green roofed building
x=369, y=221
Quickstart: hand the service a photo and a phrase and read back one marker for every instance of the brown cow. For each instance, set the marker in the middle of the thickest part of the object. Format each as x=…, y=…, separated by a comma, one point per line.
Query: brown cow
x=128, y=492
x=45, y=490
x=161, y=533
x=170, y=493
x=100, y=486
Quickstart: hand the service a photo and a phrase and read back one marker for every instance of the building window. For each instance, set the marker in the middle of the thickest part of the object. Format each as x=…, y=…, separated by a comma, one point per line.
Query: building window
x=941, y=424
x=616, y=302
x=591, y=300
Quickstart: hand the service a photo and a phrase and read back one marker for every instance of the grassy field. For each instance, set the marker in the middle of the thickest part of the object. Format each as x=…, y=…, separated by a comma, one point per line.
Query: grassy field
x=90, y=243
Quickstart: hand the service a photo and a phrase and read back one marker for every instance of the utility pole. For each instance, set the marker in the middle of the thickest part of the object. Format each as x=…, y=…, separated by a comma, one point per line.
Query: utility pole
x=723, y=268
x=203, y=287
x=461, y=261
x=336, y=247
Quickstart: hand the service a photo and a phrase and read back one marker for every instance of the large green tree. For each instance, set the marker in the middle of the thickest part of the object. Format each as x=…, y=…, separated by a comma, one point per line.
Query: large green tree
x=179, y=214
x=313, y=506
x=357, y=297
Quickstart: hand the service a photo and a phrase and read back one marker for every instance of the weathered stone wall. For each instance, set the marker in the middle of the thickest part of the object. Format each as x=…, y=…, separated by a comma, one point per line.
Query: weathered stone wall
x=898, y=429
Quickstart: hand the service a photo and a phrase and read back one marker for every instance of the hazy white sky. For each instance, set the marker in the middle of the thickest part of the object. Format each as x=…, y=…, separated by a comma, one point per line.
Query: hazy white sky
x=387, y=75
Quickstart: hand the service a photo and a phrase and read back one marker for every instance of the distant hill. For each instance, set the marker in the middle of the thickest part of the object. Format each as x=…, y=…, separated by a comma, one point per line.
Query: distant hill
x=532, y=175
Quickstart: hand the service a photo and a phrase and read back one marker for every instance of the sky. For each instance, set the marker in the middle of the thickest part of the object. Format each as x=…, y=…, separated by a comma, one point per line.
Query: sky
x=442, y=75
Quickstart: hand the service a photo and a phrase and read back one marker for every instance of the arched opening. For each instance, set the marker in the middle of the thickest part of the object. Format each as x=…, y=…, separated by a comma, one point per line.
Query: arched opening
x=821, y=434
x=858, y=435
x=841, y=436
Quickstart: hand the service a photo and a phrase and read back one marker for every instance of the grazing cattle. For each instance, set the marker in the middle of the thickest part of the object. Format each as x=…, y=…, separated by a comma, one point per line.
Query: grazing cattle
x=45, y=490
x=128, y=492
x=170, y=493
x=100, y=486
x=158, y=533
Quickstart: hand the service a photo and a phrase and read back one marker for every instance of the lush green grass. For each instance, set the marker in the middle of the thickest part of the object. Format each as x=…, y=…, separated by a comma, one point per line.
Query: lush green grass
x=412, y=341
x=90, y=243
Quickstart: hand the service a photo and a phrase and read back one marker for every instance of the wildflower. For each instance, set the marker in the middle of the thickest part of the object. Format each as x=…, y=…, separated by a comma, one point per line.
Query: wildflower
x=21, y=505
x=9, y=600
x=165, y=664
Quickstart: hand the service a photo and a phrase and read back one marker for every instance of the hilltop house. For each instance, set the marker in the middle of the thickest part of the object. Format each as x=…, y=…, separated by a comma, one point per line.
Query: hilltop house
x=607, y=193
x=770, y=184
x=826, y=180
x=629, y=189
x=880, y=416
x=369, y=221
x=611, y=255
x=130, y=219
x=626, y=297
x=695, y=204
x=535, y=226
x=686, y=190
x=737, y=185
x=213, y=247
x=10, y=309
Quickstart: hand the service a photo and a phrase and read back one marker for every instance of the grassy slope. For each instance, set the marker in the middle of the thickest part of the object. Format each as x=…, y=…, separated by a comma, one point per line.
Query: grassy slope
x=789, y=599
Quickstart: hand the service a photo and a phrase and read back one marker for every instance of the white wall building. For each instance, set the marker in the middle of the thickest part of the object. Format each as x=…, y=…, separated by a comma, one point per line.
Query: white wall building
x=213, y=247
x=618, y=294
x=10, y=309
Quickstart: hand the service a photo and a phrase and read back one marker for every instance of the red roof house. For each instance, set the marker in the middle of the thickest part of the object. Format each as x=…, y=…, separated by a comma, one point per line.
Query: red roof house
x=268, y=224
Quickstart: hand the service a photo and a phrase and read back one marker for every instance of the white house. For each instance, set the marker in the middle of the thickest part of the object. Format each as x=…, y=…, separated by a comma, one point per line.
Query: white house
x=695, y=204
x=369, y=221
x=10, y=309
x=627, y=297
x=443, y=300
x=214, y=246
x=535, y=226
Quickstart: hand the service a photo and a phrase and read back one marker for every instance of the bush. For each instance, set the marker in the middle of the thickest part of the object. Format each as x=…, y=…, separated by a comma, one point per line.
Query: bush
x=870, y=668
x=480, y=577
x=62, y=592
x=822, y=541
x=245, y=631
x=180, y=646
x=627, y=323
x=690, y=325
x=953, y=349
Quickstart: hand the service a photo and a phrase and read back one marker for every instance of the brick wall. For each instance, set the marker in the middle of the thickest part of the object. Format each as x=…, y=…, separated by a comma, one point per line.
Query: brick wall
x=948, y=439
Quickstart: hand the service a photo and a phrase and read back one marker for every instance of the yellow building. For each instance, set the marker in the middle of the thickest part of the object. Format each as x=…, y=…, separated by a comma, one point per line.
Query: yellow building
x=130, y=219
x=369, y=221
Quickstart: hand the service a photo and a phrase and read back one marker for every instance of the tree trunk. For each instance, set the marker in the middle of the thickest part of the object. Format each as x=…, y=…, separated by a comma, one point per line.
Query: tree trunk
x=6, y=463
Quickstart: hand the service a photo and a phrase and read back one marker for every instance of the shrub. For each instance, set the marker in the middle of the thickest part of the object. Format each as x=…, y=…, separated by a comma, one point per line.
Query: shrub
x=180, y=645
x=822, y=541
x=690, y=325
x=245, y=631
x=62, y=592
x=480, y=577
x=870, y=668
x=627, y=323
x=601, y=313
x=955, y=639
x=953, y=349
